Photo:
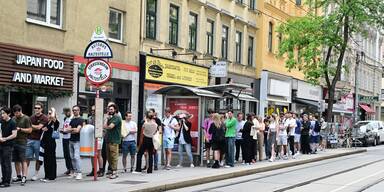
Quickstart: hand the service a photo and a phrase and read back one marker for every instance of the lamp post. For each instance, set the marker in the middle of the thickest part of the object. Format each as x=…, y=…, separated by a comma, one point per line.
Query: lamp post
x=360, y=56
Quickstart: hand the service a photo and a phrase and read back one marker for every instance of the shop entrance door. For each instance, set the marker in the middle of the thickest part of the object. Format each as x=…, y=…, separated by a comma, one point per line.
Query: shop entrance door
x=25, y=100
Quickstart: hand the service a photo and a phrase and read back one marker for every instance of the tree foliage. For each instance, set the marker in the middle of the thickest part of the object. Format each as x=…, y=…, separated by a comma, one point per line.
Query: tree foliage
x=316, y=44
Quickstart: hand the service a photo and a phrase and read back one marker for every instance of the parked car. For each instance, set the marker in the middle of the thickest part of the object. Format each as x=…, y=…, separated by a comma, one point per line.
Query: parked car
x=363, y=133
x=378, y=129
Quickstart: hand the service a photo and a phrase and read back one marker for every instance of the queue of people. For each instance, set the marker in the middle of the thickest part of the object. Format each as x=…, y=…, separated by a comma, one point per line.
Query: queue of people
x=276, y=136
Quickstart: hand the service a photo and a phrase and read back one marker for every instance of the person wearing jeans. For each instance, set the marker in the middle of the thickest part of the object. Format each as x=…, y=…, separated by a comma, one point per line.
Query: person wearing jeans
x=74, y=142
x=230, y=137
x=184, y=138
x=239, y=140
x=66, y=137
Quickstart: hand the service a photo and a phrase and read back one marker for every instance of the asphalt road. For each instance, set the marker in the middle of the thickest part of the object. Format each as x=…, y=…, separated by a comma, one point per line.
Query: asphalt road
x=362, y=172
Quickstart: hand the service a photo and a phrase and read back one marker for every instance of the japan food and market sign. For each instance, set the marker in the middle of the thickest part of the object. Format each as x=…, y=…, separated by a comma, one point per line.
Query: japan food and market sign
x=171, y=71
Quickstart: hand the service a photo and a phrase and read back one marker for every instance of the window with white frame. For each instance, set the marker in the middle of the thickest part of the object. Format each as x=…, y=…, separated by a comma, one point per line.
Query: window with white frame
x=45, y=12
x=115, y=25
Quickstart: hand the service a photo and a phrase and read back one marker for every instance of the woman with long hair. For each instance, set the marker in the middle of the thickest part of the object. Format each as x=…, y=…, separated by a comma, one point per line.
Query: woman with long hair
x=146, y=142
x=48, y=144
x=218, y=139
x=260, y=138
x=248, y=139
x=271, y=136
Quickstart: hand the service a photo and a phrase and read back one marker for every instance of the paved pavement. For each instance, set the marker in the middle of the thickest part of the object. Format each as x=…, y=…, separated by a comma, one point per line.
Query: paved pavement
x=359, y=172
x=167, y=180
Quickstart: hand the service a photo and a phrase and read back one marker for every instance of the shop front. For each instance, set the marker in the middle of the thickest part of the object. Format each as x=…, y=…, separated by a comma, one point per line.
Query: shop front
x=121, y=88
x=31, y=75
x=306, y=98
x=275, y=93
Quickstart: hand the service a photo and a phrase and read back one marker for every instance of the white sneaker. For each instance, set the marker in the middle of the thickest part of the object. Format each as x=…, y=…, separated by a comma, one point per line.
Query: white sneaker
x=135, y=172
x=285, y=157
x=179, y=166
x=34, y=178
x=192, y=165
x=221, y=164
x=79, y=176
x=227, y=166
x=271, y=160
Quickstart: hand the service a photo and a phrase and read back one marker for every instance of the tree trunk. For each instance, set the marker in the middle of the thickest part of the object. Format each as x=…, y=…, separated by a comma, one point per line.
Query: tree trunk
x=331, y=96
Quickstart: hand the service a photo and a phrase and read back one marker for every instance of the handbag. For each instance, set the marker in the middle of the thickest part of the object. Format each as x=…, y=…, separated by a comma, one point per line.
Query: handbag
x=156, y=140
x=55, y=135
x=124, y=130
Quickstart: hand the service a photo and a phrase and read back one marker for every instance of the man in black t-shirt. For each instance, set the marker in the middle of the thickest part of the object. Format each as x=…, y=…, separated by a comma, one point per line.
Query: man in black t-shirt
x=7, y=136
x=74, y=142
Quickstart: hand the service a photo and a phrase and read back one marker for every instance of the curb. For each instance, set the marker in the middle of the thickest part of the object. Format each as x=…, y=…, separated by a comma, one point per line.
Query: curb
x=240, y=173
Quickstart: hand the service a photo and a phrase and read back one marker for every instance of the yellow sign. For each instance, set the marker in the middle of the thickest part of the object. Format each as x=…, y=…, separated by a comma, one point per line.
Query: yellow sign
x=169, y=71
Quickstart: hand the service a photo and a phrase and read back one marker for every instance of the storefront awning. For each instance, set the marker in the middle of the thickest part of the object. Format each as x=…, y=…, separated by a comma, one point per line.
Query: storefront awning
x=186, y=91
x=306, y=102
x=366, y=108
x=243, y=97
x=226, y=87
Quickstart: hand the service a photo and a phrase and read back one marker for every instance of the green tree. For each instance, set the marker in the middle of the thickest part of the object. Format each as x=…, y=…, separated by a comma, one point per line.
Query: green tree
x=316, y=44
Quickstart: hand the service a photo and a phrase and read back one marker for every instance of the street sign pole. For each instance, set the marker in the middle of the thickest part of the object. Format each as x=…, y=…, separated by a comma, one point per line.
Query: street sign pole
x=95, y=154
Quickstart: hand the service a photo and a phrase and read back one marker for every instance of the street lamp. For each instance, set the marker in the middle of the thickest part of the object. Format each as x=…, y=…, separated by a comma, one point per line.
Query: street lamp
x=360, y=56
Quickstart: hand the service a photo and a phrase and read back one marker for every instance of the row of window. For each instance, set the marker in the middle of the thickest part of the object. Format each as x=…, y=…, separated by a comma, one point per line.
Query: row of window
x=151, y=28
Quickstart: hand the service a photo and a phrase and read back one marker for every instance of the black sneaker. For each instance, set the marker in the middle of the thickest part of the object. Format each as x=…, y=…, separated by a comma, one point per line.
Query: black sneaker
x=4, y=185
x=100, y=174
x=156, y=168
x=23, y=180
x=131, y=169
x=16, y=179
x=90, y=174
x=109, y=172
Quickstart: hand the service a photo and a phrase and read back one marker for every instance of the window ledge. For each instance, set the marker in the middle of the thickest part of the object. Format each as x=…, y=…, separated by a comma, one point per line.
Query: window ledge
x=152, y=40
x=241, y=4
x=173, y=46
x=44, y=24
x=117, y=41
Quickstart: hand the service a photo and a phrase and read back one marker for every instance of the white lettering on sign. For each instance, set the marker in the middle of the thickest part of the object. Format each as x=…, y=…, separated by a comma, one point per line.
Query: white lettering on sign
x=39, y=62
x=38, y=79
x=98, y=49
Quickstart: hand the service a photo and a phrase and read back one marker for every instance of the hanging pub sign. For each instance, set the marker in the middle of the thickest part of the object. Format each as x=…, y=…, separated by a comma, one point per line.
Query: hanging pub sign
x=98, y=49
x=98, y=72
x=219, y=69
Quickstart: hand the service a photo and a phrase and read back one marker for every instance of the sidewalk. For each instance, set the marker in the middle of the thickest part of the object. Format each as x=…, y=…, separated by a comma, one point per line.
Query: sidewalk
x=166, y=180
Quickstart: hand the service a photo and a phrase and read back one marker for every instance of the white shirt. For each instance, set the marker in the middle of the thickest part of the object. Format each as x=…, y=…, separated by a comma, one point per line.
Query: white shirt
x=272, y=127
x=168, y=131
x=240, y=125
x=66, y=125
x=130, y=126
x=291, y=123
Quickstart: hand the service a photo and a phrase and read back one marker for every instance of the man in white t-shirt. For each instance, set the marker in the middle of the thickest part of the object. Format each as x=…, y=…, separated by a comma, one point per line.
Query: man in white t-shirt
x=129, y=142
x=290, y=123
x=170, y=125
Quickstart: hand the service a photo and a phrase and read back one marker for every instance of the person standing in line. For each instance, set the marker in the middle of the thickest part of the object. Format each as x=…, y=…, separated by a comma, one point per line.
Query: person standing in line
x=217, y=132
x=49, y=145
x=159, y=128
x=92, y=122
x=230, y=136
x=208, y=137
x=266, y=142
x=184, y=139
x=315, y=134
x=271, y=138
x=260, y=138
x=305, y=129
x=129, y=142
x=248, y=139
x=282, y=139
x=146, y=143
x=254, y=133
x=65, y=141
x=113, y=135
x=74, y=143
x=38, y=121
x=239, y=139
x=170, y=125
x=24, y=127
x=297, y=133
x=290, y=123
x=7, y=136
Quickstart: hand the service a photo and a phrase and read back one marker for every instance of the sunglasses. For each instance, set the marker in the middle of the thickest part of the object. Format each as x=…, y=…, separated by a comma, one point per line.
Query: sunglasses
x=37, y=108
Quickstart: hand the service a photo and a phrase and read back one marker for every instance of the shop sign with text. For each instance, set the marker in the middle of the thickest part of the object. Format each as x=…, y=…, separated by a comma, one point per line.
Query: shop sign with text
x=170, y=71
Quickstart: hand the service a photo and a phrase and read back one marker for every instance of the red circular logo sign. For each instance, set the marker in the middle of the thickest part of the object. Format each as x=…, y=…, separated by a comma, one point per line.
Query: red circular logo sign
x=98, y=71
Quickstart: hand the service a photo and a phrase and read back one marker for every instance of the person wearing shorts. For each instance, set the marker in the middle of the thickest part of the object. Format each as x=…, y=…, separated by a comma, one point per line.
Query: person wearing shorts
x=282, y=138
x=170, y=125
x=129, y=142
x=24, y=128
x=38, y=120
x=297, y=133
